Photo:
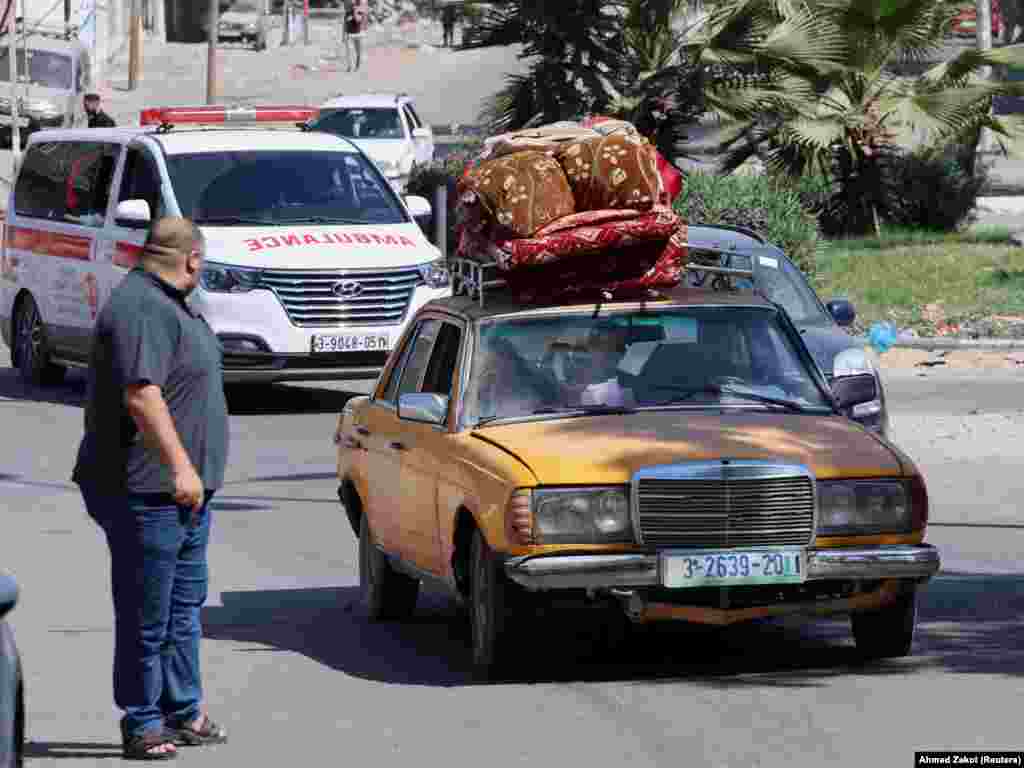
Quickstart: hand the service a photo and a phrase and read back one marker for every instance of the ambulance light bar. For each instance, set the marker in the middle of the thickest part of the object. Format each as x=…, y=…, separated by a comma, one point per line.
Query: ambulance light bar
x=214, y=115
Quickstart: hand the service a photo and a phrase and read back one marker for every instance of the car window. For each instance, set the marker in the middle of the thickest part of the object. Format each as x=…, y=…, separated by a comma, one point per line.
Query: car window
x=282, y=187
x=420, y=356
x=40, y=190
x=141, y=181
x=87, y=188
x=361, y=123
x=390, y=393
x=414, y=113
x=443, y=361
x=46, y=69
x=699, y=357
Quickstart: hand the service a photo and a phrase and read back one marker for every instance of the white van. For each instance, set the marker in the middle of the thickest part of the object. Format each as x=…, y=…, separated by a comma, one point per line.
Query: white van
x=313, y=263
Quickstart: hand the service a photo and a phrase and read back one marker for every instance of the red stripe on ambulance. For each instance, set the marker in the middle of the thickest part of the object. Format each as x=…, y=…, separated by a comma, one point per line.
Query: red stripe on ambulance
x=127, y=254
x=45, y=243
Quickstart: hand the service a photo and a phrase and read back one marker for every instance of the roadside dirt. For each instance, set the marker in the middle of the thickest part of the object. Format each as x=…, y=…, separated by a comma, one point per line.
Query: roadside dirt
x=959, y=359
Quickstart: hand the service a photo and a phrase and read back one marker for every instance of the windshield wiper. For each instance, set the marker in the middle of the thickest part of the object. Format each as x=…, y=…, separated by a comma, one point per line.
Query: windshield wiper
x=718, y=389
x=578, y=410
x=233, y=220
x=322, y=220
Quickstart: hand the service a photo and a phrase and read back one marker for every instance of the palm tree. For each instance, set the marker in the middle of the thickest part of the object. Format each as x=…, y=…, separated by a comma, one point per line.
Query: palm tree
x=575, y=53
x=822, y=95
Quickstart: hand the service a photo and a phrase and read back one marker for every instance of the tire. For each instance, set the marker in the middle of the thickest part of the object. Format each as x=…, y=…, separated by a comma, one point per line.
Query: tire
x=386, y=594
x=888, y=633
x=19, y=724
x=489, y=599
x=32, y=350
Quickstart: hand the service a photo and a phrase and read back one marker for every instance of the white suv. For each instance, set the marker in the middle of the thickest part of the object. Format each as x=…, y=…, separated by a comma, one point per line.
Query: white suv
x=385, y=126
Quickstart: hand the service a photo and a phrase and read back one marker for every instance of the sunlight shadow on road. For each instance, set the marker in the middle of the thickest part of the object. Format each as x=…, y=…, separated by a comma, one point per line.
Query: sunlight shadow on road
x=83, y=750
x=14, y=390
x=968, y=625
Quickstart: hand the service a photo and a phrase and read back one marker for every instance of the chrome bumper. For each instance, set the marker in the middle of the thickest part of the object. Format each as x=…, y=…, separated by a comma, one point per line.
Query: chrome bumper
x=641, y=570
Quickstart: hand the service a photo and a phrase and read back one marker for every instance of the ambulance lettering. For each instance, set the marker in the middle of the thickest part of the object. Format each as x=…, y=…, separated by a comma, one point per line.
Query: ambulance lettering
x=328, y=238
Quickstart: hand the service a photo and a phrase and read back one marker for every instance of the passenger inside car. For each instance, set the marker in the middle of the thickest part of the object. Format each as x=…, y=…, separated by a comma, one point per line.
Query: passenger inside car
x=509, y=387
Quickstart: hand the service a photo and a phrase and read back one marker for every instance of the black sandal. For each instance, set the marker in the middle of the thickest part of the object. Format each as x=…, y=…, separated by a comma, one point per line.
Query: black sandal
x=137, y=747
x=209, y=733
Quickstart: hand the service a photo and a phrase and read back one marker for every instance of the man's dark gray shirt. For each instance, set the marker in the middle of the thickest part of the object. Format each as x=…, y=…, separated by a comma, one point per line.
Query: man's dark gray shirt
x=146, y=334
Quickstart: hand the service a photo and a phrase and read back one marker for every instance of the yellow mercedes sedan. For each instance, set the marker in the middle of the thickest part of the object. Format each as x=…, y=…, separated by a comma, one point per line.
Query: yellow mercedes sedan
x=679, y=458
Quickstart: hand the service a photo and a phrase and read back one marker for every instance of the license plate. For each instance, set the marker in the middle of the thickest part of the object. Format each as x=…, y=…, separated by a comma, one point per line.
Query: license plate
x=712, y=568
x=372, y=342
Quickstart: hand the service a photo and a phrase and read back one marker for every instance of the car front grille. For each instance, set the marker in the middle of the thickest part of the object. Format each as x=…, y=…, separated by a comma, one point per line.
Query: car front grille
x=725, y=512
x=309, y=299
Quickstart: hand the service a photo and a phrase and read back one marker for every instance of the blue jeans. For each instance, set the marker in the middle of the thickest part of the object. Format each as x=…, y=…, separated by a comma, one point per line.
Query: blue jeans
x=159, y=579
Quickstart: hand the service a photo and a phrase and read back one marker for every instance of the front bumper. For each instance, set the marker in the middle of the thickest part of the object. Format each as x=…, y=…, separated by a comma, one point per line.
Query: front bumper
x=543, y=572
x=268, y=367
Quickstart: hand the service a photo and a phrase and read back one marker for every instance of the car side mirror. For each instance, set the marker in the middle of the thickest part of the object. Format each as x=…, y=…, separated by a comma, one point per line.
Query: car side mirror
x=134, y=214
x=424, y=407
x=855, y=390
x=421, y=133
x=419, y=207
x=842, y=311
x=8, y=594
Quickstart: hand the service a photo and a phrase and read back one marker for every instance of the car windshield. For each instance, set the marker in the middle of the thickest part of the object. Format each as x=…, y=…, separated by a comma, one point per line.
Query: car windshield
x=362, y=123
x=46, y=69
x=780, y=282
x=692, y=357
x=282, y=187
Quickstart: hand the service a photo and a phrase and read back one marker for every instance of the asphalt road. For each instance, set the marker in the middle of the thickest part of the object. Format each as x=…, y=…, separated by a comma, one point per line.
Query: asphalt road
x=299, y=676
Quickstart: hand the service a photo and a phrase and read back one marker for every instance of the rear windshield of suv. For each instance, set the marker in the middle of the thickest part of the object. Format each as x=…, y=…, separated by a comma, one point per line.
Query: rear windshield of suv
x=362, y=123
x=282, y=187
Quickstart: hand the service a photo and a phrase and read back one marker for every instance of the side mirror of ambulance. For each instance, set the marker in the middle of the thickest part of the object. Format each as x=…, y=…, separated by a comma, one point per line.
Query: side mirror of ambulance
x=133, y=214
x=419, y=207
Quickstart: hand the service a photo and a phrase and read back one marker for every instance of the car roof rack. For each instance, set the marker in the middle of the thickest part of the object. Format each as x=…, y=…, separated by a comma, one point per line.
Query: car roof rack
x=29, y=29
x=473, y=278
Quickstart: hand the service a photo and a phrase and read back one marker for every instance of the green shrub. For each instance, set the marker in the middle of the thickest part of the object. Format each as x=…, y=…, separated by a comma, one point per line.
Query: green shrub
x=771, y=208
x=935, y=192
x=426, y=178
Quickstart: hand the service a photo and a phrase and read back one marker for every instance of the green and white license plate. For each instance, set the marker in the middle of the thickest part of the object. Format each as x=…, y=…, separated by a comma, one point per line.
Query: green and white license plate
x=724, y=568
x=374, y=342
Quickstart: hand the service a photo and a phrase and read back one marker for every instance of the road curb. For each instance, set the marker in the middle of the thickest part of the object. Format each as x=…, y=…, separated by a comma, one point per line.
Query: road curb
x=937, y=344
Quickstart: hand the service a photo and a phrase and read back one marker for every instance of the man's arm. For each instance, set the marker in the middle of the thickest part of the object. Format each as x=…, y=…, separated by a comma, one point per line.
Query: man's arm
x=146, y=405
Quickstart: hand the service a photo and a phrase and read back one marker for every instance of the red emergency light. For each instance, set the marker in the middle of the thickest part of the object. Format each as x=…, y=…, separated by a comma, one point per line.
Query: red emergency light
x=214, y=115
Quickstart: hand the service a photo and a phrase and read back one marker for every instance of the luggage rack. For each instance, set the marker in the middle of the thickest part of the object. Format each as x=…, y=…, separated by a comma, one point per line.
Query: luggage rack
x=472, y=278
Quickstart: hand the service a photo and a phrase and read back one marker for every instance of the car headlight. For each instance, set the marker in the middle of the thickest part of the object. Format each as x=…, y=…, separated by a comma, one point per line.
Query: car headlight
x=220, y=278
x=434, y=274
x=582, y=516
x=859, y=507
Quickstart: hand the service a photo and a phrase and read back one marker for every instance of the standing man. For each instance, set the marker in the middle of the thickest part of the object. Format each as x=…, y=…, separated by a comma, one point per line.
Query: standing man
x=154, y=452
x=448, y=23
x=357, y=19
x=96, y=116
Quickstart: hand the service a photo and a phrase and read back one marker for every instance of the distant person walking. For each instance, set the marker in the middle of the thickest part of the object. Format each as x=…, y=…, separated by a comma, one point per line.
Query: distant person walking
x=448, y=23
x=357, y=18
x=94, y=113
x=154, y=452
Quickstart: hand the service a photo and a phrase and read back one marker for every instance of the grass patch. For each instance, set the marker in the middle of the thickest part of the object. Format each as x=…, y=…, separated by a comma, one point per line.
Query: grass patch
x=894, y=237
x=968, y=279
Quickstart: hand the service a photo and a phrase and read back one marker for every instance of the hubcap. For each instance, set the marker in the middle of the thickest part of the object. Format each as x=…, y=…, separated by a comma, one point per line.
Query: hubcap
x=30, y=335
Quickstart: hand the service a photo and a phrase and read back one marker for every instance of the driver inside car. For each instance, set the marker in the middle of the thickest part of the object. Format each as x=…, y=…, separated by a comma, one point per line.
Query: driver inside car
x=509, y=387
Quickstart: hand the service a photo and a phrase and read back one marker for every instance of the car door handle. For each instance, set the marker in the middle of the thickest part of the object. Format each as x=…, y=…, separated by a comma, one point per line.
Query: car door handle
x=398, y=446
x=362, y=431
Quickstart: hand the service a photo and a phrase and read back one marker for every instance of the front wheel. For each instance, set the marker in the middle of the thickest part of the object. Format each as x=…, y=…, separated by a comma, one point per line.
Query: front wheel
x=32, y=350
x=887, y=633
x=489, y=600
x=386, y=593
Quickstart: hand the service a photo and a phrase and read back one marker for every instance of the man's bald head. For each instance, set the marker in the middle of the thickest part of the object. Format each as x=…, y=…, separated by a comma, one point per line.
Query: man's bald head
x=174, y=249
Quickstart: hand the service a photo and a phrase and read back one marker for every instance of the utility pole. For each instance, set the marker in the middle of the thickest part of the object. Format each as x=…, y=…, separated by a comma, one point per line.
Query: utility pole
x=135, y=45
x=305, y=22
x=212, y=81
x=12, y=41
x=67, y=18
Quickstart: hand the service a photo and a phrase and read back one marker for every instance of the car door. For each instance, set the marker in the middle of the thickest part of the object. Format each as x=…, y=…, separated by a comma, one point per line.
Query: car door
x=424, y=145
x=424, y=452
x=123, y=240
x=382, y=433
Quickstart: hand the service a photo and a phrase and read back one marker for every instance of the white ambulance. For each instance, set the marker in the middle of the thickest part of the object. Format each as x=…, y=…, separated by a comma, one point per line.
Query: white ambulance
x=313, y=263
